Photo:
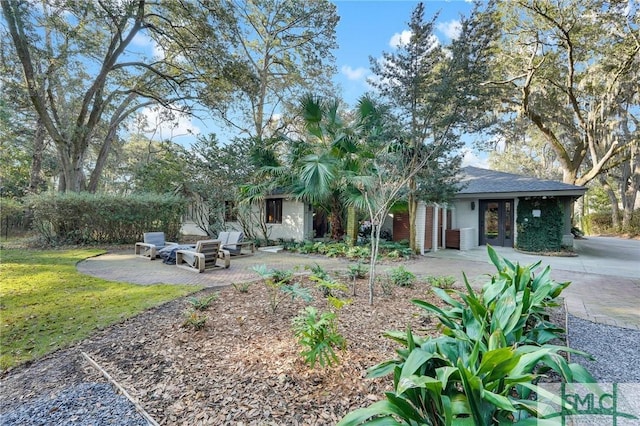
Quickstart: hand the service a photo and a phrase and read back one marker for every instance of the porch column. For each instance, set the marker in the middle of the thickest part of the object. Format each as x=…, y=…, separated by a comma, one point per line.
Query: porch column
x=445, y=210
x=434, y=234
x=421, y=223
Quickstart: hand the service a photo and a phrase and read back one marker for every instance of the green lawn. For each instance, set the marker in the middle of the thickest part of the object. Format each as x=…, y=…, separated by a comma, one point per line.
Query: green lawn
x=45, y=304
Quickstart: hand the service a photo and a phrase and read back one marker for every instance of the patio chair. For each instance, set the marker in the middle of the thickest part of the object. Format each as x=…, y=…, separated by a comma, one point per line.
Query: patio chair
x=233, y=242
x=153, y=242
x=204, y=256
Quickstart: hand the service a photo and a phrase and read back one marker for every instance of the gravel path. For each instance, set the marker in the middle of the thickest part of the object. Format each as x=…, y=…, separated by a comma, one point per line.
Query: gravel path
x=616, y=350
x=87, y=404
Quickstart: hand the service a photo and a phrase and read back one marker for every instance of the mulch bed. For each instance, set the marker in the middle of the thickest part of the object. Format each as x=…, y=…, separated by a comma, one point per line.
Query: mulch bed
x=243, y=367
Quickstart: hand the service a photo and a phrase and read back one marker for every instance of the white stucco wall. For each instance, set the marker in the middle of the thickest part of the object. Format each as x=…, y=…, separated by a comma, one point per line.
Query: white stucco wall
x=190, y=228
x=293, y=223
x=464, y=217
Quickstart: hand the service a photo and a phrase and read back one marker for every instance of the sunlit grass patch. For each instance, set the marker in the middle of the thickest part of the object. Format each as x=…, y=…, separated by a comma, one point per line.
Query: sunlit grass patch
x=45, y=304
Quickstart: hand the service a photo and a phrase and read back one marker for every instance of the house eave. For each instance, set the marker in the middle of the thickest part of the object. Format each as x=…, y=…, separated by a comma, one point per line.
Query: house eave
x=504, y=195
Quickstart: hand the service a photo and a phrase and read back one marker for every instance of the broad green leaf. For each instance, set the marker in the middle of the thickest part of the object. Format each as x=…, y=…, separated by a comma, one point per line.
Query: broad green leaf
x=363, y=415
x=429, y=383
x=381, y=369
x=505, y=308
x=417, y=358
x=499, y=401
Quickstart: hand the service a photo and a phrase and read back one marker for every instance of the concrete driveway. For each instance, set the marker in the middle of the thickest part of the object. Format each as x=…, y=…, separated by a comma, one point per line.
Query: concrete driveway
x=605, y=277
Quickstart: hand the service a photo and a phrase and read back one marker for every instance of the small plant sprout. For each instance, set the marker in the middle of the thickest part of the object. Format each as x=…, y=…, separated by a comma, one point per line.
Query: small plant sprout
x=202, y=303
x=194, y=319
x=242, y=287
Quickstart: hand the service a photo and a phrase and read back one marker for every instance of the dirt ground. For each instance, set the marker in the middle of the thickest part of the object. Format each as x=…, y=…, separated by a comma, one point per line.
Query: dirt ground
x=243, y=367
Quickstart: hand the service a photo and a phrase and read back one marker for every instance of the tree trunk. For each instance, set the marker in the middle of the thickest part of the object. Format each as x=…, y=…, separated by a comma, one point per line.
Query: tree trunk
x=413, y=209
x=35, y=180
x=375, y=244
x=615, y=210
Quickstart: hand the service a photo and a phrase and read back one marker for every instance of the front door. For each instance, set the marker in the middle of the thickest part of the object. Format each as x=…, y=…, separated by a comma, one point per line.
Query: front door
x=496, y=222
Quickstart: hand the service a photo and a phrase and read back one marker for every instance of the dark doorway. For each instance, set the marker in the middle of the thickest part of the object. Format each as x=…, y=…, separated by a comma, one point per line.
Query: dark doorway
x=496, y=222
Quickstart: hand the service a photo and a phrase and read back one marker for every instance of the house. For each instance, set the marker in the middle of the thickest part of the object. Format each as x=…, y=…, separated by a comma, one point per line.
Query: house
x=284, y=218
x=485, y=211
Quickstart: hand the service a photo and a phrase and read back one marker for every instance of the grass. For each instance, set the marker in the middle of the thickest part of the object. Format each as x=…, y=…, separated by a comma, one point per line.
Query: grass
x=45, y=304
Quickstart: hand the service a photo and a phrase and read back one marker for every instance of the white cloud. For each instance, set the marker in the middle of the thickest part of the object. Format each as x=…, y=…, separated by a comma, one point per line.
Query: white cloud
x=148, y=44
x=354, y=73
x=399, y=39
x=165, y=124
x=450, y=29
x=470, y=158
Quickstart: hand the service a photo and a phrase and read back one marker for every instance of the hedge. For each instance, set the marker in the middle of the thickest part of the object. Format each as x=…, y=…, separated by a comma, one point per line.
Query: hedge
x=77, y=218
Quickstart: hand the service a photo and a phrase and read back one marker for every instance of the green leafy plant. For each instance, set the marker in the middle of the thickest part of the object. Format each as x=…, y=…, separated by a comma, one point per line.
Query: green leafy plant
x=194, y=319
x=401, y=277
x=202, y=303
x=443, y=281
x=357, y=271
x=242, y=287
x=295, y=290
x=278, y=285
x=386, y=284
x=283, y=276
x=317, y=332
x=484, y=367
x=318, y=272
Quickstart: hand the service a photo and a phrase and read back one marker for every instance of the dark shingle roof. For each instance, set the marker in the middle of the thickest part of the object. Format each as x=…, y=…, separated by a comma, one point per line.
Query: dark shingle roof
x=484, y=181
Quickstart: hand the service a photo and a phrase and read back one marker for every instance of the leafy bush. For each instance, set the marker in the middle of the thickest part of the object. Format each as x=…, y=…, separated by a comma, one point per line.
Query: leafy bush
x=443, y=281
x=318, y=333
x=482, y=370
x=401, y=277
x=79, y=218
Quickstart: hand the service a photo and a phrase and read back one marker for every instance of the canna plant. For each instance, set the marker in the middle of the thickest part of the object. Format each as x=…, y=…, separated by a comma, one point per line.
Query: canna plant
x=484, y=367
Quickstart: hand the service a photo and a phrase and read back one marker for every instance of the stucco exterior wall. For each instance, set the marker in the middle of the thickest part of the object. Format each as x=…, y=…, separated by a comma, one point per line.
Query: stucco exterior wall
x=293, y=222
x=464, y=217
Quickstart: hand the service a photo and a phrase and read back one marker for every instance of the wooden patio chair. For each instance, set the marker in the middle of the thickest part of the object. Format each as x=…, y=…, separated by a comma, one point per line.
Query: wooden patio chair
x=153, y=242
x=233, y=242
x=205, y=256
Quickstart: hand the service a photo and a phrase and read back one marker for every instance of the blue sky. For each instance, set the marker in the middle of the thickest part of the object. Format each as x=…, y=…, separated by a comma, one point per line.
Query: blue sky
x=368, y=28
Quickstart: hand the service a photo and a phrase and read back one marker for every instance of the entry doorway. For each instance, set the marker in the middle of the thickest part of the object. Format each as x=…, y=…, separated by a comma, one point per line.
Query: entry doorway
x=496, y=222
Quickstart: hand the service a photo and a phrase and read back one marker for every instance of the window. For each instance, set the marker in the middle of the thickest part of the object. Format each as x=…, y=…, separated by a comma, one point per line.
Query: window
x=230, y=213
x=274, y=210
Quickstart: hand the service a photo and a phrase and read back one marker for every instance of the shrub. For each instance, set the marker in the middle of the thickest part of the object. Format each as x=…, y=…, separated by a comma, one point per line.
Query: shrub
x=401, y=277
x=80, y=218
x=443, y=281
x=482, y=369
x=318, y=334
